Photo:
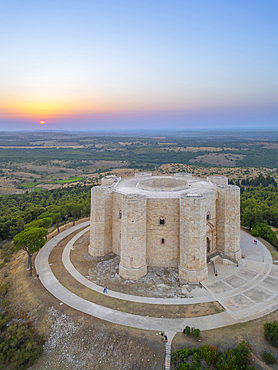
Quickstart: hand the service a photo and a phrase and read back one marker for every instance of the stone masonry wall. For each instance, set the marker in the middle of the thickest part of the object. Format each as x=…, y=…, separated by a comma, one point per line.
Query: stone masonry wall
x=228, y=221
x=129, y=225
x=101, y=221
x=193, y=263
x=159, y=253
x=133, y=237
x=116, y=222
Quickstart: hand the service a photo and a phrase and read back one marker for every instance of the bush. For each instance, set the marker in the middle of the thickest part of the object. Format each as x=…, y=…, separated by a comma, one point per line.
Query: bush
x=209, y=354
x=268, y=358
x=18, y=347
x=196, y=333
x=234, y=359
x=187, y=330
x=271, y=332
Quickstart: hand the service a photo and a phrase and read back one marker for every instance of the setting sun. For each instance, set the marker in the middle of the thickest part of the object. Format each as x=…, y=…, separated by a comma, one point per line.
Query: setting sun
x=42, y=122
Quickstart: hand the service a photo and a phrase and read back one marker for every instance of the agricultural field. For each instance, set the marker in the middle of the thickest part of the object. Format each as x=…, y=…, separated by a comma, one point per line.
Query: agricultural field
x=35, y=161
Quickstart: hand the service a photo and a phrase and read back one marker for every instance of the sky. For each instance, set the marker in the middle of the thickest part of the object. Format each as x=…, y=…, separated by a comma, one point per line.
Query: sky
x=147, y=64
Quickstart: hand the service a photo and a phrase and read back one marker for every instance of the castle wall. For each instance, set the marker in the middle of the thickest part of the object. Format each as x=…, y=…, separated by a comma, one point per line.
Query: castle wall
x=228, y=221
x=116, y=222
x=159, y=253
x=133, y=237
x=101, y=221
x=210, y=208
x=195, y=225
x=193, y=256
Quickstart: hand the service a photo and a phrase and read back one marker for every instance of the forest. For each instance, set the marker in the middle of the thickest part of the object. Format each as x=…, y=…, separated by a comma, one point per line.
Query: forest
x=40, y=209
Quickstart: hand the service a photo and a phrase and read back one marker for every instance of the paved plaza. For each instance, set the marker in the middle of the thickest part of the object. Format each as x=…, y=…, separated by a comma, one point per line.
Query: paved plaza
x=246, y=292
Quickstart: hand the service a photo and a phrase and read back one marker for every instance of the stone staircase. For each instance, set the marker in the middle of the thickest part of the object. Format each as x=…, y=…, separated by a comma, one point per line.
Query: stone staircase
x=167, y=349
x=223, y=256
x=167, y=362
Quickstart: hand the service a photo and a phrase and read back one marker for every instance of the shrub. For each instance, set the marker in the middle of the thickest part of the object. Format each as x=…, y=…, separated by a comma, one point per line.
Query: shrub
x=18, y=347
x=271, y=332
x=187, y=330
x=234, y=359
x=268, y=358
x=209, y=354
x=196, y=333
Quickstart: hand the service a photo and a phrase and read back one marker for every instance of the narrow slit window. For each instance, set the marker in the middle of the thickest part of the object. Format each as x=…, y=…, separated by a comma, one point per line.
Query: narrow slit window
x=162, y=241
x=162, y=221
x=208, y=216
x=120, y=214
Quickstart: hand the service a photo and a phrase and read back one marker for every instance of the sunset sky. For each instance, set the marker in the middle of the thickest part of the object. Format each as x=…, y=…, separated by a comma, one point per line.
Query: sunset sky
x=147, y=64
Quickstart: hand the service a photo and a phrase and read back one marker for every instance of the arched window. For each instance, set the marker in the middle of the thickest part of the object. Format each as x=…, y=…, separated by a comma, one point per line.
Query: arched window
x=208, y=216
x=161, y=221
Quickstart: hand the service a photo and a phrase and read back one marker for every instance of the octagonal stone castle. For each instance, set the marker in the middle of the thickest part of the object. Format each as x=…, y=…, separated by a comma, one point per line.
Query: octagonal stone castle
x=166, y=221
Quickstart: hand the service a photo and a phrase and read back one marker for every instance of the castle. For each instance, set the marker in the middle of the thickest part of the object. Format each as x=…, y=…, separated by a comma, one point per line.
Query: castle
x=167, y=221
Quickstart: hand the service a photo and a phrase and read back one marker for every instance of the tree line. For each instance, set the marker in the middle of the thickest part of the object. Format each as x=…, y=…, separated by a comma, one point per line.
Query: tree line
x=259, y=207
x=42, y=209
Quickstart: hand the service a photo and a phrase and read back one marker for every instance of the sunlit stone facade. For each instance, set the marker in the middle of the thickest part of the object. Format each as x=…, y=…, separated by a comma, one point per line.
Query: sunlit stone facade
x=167, y=221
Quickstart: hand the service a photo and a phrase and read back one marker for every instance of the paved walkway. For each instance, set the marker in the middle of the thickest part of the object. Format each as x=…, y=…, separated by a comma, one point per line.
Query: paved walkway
x=248, y=291
x=205, y=297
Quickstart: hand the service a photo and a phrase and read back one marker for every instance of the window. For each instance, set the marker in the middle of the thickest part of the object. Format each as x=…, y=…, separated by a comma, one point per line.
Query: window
x=120, y=214
x=162, y=241
x=208, y=216
x=162, y=221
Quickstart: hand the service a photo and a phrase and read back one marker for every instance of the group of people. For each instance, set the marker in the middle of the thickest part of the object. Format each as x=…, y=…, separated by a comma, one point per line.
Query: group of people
x=105, y=290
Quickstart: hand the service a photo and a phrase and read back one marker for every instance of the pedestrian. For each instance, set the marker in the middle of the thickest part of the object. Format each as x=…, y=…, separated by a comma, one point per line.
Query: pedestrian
x=166, y=338
x=104, y=290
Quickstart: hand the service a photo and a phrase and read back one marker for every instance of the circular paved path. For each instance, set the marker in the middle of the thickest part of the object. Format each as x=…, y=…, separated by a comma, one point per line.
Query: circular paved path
x=246, y=292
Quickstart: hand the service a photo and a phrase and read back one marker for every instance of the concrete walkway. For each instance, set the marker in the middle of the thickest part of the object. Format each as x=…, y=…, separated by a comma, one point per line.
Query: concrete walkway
x=247, y=292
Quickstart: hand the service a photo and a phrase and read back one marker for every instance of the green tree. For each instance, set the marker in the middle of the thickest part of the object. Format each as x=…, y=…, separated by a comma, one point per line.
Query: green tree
x=30, y=240
x=271, y=332
x=251, y=216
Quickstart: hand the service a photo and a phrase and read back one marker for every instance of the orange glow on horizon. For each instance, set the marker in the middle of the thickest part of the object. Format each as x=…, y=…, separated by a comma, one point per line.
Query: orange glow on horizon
x=42, y=122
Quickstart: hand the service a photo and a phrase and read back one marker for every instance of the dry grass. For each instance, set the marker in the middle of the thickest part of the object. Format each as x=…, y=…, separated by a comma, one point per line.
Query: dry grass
x=94, y=342
x=231, y=172
x=220, y=159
